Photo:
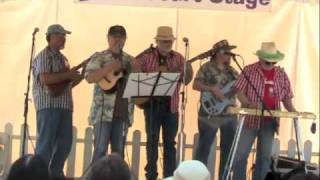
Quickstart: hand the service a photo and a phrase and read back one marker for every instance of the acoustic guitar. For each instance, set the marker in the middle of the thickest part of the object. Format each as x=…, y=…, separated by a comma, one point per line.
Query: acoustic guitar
x=57, y=88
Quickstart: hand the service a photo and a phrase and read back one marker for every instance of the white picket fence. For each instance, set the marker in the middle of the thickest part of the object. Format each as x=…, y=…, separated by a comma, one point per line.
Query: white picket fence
x=7, y=137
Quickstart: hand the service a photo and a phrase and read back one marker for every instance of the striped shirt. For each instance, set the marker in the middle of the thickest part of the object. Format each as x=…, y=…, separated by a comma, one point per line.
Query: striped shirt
x=282, y=88
x=149, y=62
x=50, y=61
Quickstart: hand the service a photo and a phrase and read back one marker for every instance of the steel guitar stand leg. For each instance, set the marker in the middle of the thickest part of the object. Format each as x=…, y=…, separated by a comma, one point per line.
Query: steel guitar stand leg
x=233, y=150
x=299, y=142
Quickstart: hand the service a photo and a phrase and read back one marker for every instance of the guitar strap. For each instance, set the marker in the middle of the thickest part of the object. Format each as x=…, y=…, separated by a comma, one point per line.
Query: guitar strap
x=121, y=104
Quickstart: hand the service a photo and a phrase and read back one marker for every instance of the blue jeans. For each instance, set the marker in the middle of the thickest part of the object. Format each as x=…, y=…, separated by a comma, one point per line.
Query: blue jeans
x=106, y=132
x=156, y=116
x=265, y=137
x=54, y=127
x=207, y=135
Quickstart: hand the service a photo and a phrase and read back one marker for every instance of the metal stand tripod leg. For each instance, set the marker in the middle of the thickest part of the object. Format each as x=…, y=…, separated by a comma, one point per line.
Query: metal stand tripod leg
x=299, y=142
x=233, y=150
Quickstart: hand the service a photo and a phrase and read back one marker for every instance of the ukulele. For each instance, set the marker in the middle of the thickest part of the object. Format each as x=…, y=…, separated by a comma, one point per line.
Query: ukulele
x=109, y=82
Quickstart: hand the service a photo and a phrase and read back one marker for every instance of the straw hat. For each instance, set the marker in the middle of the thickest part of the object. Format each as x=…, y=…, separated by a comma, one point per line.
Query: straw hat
x=269, y=52
x=190, y=170
x=164, y=33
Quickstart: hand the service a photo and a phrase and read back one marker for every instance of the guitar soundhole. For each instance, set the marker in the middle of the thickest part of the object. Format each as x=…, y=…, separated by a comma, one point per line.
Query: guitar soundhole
x=116, y=73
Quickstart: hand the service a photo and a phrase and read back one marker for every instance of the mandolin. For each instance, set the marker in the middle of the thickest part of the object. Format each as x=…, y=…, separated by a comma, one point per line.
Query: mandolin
x=57, y=88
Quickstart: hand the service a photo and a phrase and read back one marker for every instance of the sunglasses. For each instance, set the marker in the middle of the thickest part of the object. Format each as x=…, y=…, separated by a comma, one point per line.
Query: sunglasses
x=166, y=41
x=270, y=63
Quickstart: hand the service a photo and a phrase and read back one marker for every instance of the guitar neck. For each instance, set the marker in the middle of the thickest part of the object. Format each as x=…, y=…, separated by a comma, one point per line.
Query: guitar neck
x=282, y=114
x=82, y=63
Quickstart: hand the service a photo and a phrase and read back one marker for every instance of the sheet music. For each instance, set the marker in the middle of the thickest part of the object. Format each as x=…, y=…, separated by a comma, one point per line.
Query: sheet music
x=141, y=84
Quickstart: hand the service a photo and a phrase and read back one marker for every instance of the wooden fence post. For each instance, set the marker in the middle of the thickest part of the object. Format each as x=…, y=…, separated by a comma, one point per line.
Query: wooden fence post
x=72, y=156
x=87, y=153
x=135, y=159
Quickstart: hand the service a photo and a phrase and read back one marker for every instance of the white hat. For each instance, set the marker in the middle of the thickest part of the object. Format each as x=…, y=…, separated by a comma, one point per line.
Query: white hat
x=190, y=170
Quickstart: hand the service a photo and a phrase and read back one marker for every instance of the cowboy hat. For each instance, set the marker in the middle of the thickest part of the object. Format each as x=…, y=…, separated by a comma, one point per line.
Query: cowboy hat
x=164, y=33
x=269, y=52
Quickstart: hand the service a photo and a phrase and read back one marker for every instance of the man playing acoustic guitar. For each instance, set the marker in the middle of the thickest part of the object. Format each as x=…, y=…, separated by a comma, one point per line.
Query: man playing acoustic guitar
x=54, y=108
x=110, y=113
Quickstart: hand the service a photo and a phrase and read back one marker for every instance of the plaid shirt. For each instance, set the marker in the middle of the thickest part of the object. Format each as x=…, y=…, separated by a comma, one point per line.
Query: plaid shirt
x=282, y=88
x=149, y=62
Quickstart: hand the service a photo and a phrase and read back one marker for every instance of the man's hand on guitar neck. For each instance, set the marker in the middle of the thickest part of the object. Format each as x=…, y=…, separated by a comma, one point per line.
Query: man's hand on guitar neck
x=75, y=76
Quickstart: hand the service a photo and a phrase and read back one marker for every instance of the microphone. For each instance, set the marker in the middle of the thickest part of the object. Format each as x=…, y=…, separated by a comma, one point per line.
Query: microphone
x=35, y=31
x=313, y=128
x=231, y=54
x=120, y=46
x=203, y=55
x=185, y=39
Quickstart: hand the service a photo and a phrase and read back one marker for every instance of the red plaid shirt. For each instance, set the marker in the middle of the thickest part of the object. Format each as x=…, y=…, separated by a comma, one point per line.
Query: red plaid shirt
x=149, y=62
x=282, y=88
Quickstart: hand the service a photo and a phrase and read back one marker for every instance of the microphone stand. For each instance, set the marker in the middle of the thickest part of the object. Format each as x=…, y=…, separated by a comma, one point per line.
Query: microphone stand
x=229, y=164
x=183, y=104
x=26, y=99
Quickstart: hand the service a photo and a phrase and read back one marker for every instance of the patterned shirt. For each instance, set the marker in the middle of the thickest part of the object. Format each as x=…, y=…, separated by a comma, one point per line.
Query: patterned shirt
x=50, y=61
x=282, y=88
x=210, y=75
x=149, y=62
x=103, y=104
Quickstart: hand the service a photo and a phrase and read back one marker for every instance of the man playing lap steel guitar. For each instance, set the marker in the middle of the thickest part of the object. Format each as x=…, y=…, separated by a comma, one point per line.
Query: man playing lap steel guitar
x=110, y=114
x=272, y=84
x=52, y=84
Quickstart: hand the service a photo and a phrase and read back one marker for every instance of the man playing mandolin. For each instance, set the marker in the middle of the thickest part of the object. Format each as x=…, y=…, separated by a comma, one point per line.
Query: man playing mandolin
x=54, y=106
x=212, y=77
x=110, y=113
x=164, y=110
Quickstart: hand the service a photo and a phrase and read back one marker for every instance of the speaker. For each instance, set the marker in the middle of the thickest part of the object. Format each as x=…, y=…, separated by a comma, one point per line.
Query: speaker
x=283, y=168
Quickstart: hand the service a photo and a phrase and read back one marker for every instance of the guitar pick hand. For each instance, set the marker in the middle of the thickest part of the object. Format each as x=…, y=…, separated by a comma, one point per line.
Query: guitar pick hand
x=116, y=64
x=215, y=91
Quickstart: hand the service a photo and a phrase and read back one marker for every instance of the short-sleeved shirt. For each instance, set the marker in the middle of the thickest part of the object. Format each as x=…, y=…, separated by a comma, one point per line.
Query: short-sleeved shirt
x=210, y=75
x=103, y=104
x=50, y=61
x=281, y=88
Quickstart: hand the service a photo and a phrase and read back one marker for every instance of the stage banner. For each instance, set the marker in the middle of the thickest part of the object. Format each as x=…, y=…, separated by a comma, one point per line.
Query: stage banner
x=232, y=5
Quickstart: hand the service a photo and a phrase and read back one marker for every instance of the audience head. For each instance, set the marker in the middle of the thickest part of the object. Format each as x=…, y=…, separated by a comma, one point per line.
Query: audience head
x=111, y=167
x=29, y=167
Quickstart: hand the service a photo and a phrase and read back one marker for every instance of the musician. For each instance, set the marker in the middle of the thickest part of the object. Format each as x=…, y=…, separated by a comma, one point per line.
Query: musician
x=110, y=114
x=273, y=85
x=162, y=112
x=54, y=110
x=212, y=77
